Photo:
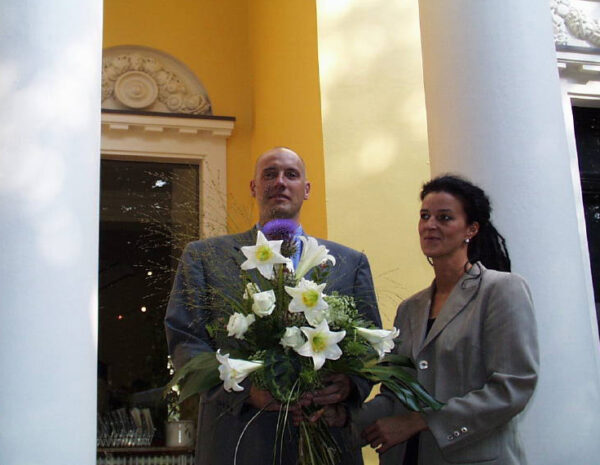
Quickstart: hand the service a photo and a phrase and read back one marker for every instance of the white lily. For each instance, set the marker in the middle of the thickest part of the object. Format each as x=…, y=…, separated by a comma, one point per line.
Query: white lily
x=313, y=255
x=321, y=344
x=292, y=338
x=307, y=297
x=264, y=303
x=382, y=340
x=263, y=256
x=238, y=324
x=233, y=371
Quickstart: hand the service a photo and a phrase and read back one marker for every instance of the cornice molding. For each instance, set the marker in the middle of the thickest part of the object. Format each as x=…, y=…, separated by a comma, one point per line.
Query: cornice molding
x=159, y=124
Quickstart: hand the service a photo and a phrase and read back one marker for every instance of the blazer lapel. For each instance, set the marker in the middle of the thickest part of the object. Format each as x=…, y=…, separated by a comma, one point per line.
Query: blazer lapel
x=464, y=291
x=418, y=320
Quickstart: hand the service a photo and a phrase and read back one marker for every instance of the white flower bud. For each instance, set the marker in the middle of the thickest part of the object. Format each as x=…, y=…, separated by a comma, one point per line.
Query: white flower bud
x=292, y=338
x=238, y=325
x=264, y=303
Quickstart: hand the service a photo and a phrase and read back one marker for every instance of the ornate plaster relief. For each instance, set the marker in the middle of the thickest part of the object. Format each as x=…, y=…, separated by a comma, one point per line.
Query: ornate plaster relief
x=575, y=20
x=141, y=78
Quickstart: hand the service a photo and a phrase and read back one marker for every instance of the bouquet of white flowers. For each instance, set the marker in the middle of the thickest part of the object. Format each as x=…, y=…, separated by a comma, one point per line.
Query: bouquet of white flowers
x=288, y=334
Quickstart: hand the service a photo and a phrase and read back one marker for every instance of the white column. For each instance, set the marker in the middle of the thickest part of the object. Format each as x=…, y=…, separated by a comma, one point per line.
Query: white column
x=50, y=67
x=494, y=115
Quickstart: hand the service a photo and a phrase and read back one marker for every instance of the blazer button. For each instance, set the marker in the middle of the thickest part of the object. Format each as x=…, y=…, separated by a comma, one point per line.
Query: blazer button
x=423, y=364
x=450, y=437
x=464, y=429
x=456, y=434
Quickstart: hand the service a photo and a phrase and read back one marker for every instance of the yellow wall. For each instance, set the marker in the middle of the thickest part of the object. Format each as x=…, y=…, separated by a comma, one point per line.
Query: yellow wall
x=286, y=92
x=375, y=137
x=258, y=62
x=375, y=140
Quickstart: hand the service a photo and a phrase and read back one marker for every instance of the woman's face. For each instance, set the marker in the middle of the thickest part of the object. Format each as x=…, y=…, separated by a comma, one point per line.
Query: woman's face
x=443, y=226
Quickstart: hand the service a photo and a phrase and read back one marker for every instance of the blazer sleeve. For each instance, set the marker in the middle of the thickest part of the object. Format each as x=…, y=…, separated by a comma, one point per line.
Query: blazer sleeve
x=510, y=355
x=186, y=317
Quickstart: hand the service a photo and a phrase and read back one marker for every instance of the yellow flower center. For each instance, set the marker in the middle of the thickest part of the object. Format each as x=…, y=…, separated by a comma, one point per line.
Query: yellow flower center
x=310, y=298
x=318, y=343
x=263, y=253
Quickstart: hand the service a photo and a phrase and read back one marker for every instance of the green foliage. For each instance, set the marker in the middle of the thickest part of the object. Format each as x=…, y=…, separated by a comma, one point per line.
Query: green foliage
x=392, y=374
x=342, y=310
x=280, y=376
x=200, y=374
x=321, y=273
x=310, y=378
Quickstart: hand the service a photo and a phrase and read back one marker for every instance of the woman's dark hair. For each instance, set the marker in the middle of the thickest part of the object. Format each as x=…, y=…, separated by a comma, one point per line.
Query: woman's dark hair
x=488, y=245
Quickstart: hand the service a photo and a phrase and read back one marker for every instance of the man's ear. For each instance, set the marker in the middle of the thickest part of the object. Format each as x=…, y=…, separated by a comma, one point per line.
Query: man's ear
x=253, y=188
x=306, y=190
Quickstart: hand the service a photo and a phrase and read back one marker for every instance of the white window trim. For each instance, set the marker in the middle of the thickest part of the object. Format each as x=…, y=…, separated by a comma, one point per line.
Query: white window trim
x=172, y=138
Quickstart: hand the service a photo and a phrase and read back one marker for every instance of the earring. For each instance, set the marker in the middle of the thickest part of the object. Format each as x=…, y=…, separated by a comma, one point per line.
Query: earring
x=467, y=240
x=430, y=260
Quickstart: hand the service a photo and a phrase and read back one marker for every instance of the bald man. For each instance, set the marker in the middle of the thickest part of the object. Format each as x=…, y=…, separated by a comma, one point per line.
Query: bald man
x=208, y=273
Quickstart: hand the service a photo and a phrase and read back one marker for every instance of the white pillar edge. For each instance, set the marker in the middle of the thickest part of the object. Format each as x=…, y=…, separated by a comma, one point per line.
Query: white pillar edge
x=50, y=68
x=495, y=115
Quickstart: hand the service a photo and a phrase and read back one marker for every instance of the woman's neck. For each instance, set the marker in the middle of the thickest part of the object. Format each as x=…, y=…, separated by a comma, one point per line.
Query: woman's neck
x=448, y=272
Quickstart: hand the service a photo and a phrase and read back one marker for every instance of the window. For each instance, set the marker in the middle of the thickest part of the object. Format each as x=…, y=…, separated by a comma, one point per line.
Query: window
x=148, y=212
x=587, y=134
x=162, y=185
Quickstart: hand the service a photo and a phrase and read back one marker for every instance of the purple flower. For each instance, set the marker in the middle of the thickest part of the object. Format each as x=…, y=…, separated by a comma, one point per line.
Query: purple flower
x=282, y=230
x=276, y=230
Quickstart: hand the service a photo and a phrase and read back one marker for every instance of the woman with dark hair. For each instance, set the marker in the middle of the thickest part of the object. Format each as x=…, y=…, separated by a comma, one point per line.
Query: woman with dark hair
x=471, y=336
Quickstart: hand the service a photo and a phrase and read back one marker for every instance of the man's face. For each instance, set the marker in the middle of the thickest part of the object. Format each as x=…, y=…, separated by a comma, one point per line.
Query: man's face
x=279, y=185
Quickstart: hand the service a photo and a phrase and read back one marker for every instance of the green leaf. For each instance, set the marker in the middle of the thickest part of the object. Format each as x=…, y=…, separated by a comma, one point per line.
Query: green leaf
x=391, y=372
x=198, y=375
x=281, y=373
x=399, y=360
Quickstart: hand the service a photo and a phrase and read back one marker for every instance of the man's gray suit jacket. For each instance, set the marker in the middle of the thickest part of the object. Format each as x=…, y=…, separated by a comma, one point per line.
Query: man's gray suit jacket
x=209, y=270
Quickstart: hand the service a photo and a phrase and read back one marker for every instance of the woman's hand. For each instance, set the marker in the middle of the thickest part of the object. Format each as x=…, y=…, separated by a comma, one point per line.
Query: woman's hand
x=389, y=431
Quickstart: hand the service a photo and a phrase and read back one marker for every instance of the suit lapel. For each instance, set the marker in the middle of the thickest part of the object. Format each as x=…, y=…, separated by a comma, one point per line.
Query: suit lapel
x=237, y=257
x=464, y=291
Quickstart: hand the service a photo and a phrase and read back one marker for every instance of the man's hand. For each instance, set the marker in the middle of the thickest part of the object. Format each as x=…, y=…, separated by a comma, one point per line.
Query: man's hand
x=262, y=400
x=389, y=431
x=337, y=390
x=334, y=415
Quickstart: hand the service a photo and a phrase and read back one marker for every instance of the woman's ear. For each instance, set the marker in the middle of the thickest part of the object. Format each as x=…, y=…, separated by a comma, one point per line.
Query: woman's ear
x=473, y=229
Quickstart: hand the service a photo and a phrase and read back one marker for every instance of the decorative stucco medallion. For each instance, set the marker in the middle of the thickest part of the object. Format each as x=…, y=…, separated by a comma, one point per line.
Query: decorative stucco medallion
x=136, y=89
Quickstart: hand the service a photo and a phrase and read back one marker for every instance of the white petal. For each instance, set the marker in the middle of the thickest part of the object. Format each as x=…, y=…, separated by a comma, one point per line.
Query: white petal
x=266, y=270
x=332, y=352
x=318, y=361
x=305, y=349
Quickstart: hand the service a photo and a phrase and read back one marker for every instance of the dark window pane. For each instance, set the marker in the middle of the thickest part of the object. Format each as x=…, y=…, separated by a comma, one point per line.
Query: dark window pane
x=149, y=211
x=587, y=135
